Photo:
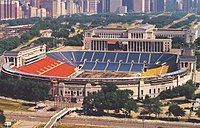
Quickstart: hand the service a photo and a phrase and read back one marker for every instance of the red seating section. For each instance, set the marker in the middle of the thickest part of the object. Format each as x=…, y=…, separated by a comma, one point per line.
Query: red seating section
x=48, y=67
x=63, y=70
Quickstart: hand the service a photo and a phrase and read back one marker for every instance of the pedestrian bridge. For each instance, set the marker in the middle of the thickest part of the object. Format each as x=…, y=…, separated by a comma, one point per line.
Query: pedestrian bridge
x=59, y=115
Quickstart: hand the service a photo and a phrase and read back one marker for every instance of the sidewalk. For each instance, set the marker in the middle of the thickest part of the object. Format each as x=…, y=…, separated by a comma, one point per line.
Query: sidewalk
x=26, y=124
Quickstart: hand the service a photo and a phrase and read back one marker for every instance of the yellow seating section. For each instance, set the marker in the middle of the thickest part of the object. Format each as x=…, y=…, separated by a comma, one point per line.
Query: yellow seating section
x=156, y=71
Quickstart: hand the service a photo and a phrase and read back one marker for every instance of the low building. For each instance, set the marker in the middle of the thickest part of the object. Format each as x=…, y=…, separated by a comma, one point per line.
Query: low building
x=137, y=39
x=25, y=55
x=46, y=33
x=196, y=105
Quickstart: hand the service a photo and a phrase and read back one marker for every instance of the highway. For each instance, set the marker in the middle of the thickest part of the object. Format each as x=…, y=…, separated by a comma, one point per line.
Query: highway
x=121, y=123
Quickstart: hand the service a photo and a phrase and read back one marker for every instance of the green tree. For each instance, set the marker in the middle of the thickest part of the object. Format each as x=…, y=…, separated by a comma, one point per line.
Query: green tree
x=198, y=112
x=176, y=110
x=24, y=89
x=178, y=42
x=186, y=90
x=26, y=36
x=2, y=117
x=152, y=105
x=109, y=98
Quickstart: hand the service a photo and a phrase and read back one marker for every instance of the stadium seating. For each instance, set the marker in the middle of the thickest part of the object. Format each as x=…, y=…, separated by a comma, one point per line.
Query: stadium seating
x=48, y=66
x=62, y=70
x=156, y=71
x=114, y=61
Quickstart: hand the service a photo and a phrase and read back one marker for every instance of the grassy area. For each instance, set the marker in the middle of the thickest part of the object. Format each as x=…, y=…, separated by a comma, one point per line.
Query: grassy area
x=126, y=25
x=73, y=126
x=12, y=105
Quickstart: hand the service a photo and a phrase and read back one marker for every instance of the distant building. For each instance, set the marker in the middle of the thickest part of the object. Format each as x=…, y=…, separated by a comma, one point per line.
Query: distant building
x=10, y=9
x=37, y=12
x=147, y=5
x=32, y=11
x=187, y=5
x=58, y=8
x=92, y=6
x=70, y=7
x=158, y=5
x=139, y=6
x=115, y=5
x=171, y=5
x=129, y=4
x=122, y=10
x=198, y=6
x=105, y=6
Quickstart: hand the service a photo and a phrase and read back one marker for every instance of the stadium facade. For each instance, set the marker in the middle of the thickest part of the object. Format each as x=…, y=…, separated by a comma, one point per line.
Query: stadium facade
x=132, y=59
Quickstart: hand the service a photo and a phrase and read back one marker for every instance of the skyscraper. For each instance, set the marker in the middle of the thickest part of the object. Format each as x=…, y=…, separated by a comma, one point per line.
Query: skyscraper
x=187, y=5
x=171, y=5
x=70, y=6
x=105, y=6
x=58, y=8
x=139, y=6
x=9, y=9
x=115, y=5
x=129, y=4
x=158, y=5
x=147, y=5
x=198, y=6
x=92, y=6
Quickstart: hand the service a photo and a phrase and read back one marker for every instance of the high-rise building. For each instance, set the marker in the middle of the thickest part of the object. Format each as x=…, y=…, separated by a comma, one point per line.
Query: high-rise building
x=115, y=5
x=139, y=6
x=187, y=5
x=171, y=5
x=9, y=9
x=70, y=7
x=32, y=11
x=198, y=6
x=36, y=3
x=42, y=12
x=147, y=5
x=105, y=6
x=58, y=8
x=158, y=5
x=92, y=6
x=129, y=4
x=63, y=10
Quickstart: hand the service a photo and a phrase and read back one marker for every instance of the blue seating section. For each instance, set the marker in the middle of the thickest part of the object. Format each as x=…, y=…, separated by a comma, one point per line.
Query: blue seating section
x=113, y=61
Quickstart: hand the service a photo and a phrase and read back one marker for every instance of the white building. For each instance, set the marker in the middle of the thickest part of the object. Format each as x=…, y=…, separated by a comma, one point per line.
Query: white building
x=140, y=39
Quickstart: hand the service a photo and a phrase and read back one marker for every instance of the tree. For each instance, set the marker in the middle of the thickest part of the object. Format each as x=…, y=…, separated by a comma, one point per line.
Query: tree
x=26, y=36
x=196, y=44
x=2, y=117
x=130, y=105
x=179, y=42
x=24, y=89
x=198, y=112
x=109, y=98
x=176, y=110
x=152, y=106
x=186, y=90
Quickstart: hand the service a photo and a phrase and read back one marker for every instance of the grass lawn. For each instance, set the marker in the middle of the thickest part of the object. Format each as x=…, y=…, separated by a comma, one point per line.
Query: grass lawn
x=72, y=126
x=12, y=105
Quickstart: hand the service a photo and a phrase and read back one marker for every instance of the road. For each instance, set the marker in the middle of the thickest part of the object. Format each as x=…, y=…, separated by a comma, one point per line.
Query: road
x=179, y=20
x=122, y=123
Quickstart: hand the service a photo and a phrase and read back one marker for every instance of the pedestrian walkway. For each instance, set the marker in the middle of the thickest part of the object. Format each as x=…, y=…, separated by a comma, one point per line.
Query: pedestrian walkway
x=59, y=115
x=26, y=124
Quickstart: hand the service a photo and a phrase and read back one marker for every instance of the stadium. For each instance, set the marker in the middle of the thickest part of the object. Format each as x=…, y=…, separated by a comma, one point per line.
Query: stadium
x=74, y=71
x=74, y=74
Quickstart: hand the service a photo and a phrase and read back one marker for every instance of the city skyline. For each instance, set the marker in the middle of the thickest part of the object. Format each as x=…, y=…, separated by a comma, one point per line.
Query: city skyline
x=13, y=9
